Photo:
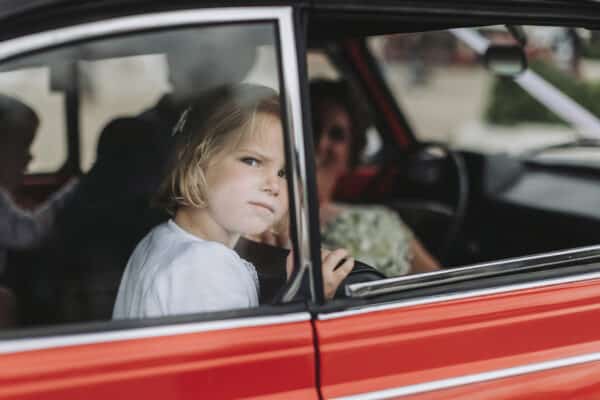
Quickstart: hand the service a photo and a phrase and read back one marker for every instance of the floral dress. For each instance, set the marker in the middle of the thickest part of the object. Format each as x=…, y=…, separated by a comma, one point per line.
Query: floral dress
x=374, y=235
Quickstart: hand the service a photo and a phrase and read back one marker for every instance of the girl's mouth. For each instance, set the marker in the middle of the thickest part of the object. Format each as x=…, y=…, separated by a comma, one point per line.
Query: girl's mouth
x=263, y=205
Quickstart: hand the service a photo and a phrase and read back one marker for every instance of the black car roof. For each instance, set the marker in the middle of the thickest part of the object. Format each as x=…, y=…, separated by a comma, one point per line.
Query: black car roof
x=343, y=17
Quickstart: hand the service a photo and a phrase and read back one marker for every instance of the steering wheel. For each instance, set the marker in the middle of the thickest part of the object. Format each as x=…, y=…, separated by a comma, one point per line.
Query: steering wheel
x=270, y=264
x=361, y=272
x=426, y=166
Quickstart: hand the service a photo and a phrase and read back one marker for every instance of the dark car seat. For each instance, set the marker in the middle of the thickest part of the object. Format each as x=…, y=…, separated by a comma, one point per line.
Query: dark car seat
x=75, y=276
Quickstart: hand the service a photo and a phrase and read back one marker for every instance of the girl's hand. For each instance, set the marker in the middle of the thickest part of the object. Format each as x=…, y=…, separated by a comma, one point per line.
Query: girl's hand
x=332, y=276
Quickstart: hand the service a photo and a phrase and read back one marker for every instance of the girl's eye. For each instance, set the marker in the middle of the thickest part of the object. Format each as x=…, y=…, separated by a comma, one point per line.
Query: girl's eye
x=251, y=161
x=281, y=173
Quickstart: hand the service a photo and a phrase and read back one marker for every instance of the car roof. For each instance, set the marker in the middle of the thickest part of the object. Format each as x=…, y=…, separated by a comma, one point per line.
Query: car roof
x=343, y=17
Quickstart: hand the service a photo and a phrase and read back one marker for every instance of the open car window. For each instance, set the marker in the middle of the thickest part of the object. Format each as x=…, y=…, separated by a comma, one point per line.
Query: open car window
x=497, y=165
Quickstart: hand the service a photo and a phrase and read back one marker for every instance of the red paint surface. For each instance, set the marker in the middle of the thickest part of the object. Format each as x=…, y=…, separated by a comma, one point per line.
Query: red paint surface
x=570, y=383
x=270, y=362
x=418, y=344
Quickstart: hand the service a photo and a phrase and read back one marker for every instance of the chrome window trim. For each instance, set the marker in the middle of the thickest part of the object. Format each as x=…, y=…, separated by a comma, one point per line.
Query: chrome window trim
x=476, y=271
x=456, y=296
x=29, y=344
x=91, y=30
x=297, y=165
x=474, y=378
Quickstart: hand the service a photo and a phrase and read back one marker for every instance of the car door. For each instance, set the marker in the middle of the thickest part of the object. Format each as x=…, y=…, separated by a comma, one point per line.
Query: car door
x=511, y=329
x=480, y=339
x=64, y=344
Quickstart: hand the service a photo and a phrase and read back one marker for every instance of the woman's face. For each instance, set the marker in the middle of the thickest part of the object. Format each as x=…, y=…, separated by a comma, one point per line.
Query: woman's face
x=333, y=151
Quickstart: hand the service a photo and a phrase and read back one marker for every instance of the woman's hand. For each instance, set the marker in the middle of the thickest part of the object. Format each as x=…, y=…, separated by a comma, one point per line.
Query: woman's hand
x=332, y=274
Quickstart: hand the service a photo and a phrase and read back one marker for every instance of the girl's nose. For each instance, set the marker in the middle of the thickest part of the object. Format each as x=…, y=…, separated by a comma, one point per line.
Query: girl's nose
x=272, y=184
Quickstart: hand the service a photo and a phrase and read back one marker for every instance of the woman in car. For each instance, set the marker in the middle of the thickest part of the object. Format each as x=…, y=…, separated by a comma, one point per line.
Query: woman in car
x=373, y=234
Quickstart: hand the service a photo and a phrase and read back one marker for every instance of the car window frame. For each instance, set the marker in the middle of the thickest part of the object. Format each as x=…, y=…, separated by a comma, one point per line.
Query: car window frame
x=290, y=310
x=536, y=270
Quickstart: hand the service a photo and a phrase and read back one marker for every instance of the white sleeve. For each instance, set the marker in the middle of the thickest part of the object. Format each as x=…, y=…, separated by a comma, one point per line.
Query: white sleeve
x=203, y=277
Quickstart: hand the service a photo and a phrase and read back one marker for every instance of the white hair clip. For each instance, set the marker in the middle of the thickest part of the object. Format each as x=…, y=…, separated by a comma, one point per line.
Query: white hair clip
x=181, y=123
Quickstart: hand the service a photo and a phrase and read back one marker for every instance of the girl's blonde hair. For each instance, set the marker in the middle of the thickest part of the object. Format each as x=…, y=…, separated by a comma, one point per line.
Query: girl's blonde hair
x=217, y=121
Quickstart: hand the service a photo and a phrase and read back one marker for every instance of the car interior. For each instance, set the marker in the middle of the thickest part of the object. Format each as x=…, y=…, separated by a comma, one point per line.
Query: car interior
x=467, y=206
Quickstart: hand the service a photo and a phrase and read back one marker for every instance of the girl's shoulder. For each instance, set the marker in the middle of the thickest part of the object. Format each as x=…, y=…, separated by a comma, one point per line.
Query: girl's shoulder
x=191, y=261
x=174, y=251
x=167, y=245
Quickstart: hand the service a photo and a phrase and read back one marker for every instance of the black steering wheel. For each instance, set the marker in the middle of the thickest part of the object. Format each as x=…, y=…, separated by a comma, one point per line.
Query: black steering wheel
x=429, y=168
x=361, y=272
x=270, y=264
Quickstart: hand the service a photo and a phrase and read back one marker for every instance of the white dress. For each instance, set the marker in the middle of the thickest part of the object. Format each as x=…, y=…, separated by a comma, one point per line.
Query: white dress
x=174, y=272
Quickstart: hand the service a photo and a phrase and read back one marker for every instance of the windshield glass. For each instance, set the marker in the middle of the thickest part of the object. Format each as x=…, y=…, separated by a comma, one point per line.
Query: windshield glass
x=448, y=95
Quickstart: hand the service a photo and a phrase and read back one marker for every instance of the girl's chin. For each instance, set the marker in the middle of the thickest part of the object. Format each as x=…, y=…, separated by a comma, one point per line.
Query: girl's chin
x=255, y=230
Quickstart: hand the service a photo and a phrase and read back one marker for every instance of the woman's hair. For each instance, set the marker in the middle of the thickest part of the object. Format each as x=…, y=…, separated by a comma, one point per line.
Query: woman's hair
x=326, y=93
x=216, y=122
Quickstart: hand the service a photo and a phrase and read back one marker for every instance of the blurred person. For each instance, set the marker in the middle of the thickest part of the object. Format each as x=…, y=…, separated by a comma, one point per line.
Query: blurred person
x=20, y=229
x=373, y=234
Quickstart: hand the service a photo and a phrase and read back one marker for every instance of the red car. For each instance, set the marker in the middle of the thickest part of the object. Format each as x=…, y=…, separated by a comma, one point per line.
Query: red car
x=509, y=204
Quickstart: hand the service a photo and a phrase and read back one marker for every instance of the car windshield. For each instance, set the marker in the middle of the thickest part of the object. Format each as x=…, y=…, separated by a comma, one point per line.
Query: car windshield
x=556, y=101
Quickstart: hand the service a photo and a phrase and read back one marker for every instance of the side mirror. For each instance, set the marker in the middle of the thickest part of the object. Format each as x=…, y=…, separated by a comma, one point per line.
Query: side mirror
x=505, y=60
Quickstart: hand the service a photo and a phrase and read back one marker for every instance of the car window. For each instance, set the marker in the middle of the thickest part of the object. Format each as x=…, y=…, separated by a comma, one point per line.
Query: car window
x=470, y=180
x=130, y=92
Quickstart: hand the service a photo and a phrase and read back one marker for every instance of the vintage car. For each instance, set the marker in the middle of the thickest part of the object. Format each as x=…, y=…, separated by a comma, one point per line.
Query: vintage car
x=510, y=314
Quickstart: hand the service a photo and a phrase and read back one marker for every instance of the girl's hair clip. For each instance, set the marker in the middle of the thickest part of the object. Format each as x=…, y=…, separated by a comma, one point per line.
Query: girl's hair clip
x=181, y=123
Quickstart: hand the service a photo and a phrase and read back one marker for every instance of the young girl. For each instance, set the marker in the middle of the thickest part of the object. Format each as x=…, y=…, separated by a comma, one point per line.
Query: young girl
x=227, y=180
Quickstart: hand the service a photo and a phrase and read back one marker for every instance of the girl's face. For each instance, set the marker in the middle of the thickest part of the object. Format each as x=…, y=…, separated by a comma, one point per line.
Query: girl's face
x=247, y=188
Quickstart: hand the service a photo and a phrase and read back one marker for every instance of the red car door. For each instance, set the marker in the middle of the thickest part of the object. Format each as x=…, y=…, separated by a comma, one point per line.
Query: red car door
x=267, y=352
x=527, y=341
x=255, y=357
